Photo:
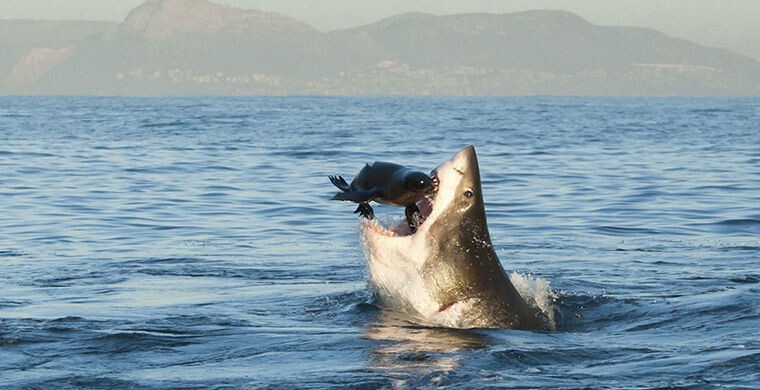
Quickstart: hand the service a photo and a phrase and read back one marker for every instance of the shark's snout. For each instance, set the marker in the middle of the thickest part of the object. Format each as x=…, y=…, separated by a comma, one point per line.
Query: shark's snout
x=466, y=163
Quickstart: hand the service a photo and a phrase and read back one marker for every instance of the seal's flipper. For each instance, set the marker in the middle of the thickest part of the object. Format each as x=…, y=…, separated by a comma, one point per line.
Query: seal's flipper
x=340, y=182
x=365, y=210
x=413, y=217
x=358, y=196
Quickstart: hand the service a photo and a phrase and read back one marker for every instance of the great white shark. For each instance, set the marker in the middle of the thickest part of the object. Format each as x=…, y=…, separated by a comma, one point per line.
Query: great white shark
x=447, y=273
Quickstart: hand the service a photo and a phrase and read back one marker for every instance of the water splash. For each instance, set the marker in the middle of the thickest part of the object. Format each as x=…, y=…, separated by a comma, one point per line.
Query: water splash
x=536, y=292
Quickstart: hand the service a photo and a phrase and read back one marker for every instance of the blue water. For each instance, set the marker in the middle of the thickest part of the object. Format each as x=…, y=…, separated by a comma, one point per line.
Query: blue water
x=189, y=242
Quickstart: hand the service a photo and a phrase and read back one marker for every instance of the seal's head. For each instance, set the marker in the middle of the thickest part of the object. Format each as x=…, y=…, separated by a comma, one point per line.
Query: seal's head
x=418, y=182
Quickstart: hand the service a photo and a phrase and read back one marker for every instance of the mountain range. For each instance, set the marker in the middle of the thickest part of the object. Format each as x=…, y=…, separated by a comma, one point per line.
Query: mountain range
x=179, y=47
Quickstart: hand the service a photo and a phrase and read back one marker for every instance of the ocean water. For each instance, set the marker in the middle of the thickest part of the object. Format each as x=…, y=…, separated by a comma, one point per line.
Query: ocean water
x=190, y=242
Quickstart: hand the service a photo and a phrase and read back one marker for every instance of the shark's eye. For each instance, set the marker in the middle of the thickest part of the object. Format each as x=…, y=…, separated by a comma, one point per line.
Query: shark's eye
x=468, y=193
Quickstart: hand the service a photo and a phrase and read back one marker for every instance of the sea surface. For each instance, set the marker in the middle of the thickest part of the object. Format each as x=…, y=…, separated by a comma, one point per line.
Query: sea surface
x=191, y=242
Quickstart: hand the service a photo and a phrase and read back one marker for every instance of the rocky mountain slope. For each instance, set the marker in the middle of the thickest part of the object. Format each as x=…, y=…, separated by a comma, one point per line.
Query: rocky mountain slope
x=29, y=48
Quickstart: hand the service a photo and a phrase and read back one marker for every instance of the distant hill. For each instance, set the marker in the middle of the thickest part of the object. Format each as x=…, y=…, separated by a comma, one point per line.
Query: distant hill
x=194, y=47
x=549, y=52
x=21, y=41
x=199, y=47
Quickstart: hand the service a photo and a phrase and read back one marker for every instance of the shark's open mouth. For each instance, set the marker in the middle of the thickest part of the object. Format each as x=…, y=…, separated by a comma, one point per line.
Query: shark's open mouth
x=425, y=206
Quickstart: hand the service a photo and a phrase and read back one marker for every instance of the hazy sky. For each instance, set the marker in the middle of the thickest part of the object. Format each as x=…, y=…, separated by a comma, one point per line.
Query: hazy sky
x=733, y=24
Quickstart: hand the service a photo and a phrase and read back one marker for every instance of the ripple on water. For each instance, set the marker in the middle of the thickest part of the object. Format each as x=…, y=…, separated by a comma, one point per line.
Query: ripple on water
x=190, y=242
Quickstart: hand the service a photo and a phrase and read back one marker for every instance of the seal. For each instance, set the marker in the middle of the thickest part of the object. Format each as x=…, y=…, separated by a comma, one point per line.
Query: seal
x=446, y=273
x=387, y=183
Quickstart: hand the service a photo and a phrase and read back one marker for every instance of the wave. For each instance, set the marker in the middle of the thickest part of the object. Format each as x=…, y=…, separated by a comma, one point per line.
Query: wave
x=625, y=231
x=11, y=253
x=69, y=381
x=746, y=279
x=739, y=222
x=26, y=154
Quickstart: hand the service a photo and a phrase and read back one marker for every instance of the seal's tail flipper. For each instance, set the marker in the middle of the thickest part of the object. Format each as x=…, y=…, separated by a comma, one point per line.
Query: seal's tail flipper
x=358, y=196
x=340, y=182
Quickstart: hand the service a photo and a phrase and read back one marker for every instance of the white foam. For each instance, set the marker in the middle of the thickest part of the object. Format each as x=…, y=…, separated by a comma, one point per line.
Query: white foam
x=536, y=292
